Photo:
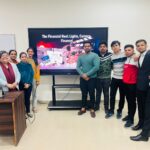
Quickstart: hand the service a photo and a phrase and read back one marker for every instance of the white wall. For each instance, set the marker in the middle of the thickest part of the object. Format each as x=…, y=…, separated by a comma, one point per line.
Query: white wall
x=127, y=21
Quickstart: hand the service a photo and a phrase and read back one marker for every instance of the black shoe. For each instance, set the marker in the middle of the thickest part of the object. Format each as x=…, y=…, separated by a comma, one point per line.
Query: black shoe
x=137, y=127
x=139, y=138
x=96, y=108
x=128, y=124
x=119, y=115
x=106, y=111
x=109, y=114
x=126, y=118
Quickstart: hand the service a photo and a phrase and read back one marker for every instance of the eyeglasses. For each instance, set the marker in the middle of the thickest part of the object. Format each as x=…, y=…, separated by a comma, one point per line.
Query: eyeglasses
x=4, y=56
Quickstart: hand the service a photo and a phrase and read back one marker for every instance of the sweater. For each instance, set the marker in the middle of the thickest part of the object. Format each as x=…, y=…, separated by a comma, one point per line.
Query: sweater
x=118, y=61
x=26, y=72
x=88, y=64
x=104, y=71
x=35, y=68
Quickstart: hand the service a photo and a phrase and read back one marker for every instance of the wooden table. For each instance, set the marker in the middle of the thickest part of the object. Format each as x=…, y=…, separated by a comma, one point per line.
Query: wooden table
x=12, y=115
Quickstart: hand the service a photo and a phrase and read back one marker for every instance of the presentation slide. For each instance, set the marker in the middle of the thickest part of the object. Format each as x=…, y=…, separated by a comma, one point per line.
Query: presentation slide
x=57, y=50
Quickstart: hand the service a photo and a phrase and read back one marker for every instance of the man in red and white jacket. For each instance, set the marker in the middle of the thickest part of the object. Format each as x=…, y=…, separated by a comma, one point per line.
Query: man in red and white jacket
x=130, y=79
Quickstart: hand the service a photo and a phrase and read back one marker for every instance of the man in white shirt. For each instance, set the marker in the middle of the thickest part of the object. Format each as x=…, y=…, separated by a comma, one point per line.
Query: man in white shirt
x=142, y=56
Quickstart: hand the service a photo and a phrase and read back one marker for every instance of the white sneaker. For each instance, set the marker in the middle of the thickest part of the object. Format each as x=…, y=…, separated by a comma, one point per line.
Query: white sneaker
x=34, y=109
x=29, y=115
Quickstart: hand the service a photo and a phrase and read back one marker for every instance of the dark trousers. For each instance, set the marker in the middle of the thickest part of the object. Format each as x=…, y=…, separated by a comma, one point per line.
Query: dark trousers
x=102, y=85
x=88, y=87
x=115, y=84
x=27, y=94
x=146, y=126
x=141, y=99
x=130, y=92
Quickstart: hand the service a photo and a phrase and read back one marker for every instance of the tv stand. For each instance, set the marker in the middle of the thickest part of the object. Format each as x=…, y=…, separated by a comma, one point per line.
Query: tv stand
x=65, y=104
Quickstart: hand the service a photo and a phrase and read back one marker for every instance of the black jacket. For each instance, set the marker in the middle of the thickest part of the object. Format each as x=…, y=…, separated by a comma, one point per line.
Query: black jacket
x=144, y=73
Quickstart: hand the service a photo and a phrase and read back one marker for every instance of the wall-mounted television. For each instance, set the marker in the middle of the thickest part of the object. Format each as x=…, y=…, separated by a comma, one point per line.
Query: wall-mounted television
x=57, y=49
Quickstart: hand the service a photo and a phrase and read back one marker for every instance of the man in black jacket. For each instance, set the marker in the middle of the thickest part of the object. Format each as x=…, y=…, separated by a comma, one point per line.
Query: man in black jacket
x=143, y=92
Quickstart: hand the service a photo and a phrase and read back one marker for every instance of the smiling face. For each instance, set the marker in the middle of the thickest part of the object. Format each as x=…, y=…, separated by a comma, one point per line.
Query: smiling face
x=30, y=53
x=23, y=57
x=141, y=47
x=4, y=58
x=13, y=55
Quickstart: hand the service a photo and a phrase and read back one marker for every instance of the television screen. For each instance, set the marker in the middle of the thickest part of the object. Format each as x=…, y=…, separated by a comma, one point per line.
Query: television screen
x=57, y=49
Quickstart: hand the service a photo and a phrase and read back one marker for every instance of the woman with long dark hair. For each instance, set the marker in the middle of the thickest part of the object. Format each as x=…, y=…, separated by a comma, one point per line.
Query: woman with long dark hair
x=13, y=56
x=36, y=80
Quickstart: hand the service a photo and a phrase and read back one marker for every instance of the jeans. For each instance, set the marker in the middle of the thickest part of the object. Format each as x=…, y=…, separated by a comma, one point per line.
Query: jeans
x=130, y=92
x=34, y=95
x=27, y=94
x=102, y=85
x=88, y=87
x=115, y=84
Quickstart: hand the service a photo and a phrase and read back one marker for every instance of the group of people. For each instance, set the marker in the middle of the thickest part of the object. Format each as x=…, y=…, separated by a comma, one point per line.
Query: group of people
x=23, y=75
x=106, y=72
x=130, y=74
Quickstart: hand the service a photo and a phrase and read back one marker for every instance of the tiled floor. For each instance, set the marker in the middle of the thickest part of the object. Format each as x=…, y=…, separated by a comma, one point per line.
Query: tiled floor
x=65, y=130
